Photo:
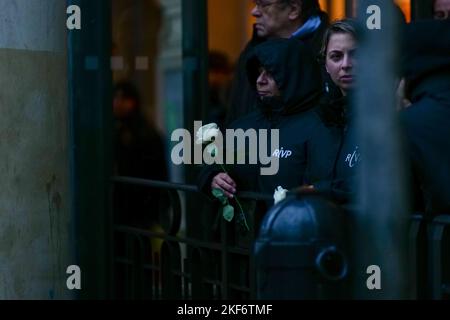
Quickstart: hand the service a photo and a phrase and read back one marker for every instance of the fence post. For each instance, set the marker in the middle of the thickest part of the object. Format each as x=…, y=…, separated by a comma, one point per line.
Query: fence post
x=382, y=221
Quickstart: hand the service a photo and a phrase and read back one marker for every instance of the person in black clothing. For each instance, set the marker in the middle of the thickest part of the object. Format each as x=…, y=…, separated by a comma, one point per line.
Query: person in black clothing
x=140, y=153
x=338, y=139
x=300, y=20
x=283, y=74
x=426, y=61
x=219, y=74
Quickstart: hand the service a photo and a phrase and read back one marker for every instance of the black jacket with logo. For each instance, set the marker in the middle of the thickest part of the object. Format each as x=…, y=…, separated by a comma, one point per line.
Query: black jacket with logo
x=303, y=137
x=339, y=138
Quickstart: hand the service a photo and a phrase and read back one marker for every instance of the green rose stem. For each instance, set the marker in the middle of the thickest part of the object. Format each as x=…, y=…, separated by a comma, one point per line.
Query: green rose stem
x=239, y=204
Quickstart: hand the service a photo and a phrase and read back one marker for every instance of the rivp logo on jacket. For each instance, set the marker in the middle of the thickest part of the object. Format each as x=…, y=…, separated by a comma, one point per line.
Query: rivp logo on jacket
x=281, y=153
x=353, y=158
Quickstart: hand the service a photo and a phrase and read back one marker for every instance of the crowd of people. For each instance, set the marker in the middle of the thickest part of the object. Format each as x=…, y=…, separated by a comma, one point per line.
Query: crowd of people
x=297, y=75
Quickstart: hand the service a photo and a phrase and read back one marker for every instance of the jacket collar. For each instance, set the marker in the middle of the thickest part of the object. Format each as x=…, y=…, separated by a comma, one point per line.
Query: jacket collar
x=309, y=27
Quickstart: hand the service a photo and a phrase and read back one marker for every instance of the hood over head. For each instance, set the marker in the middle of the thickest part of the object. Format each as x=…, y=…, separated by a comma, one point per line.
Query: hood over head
x=294, y=68
x=426, y=51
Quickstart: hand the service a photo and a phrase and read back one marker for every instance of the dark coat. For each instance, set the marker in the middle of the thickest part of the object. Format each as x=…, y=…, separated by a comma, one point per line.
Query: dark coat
x=140, y=153
x=338, y=144
x=294, y=114
x=427, y=121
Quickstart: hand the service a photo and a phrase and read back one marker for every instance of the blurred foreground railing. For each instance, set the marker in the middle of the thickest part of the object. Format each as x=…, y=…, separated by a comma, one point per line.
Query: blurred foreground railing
x=168, y=262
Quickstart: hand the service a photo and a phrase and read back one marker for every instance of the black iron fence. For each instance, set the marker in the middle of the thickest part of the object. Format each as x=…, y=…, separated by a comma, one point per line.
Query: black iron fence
x=169, y=262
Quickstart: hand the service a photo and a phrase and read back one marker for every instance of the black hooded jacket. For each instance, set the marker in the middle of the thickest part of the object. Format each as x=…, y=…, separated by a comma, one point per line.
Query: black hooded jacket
x=427, y=121
x=296, y=73
x=242, y=96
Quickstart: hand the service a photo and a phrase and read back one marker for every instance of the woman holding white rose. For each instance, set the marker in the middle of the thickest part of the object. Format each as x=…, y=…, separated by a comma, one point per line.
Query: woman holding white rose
x=286, y=77
x=206, y=135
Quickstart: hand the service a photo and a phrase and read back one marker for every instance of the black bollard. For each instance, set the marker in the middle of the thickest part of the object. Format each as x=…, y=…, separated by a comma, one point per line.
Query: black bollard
x=302, y=252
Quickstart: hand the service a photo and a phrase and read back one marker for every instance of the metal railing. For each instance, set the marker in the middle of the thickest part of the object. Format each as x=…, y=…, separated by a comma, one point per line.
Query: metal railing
x=170, y=263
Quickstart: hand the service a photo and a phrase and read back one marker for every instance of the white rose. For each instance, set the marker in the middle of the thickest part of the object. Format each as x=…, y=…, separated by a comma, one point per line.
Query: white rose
x=279, y=195
x=206, y=133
